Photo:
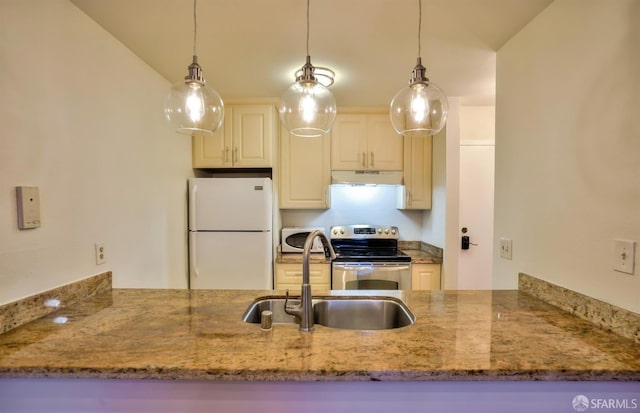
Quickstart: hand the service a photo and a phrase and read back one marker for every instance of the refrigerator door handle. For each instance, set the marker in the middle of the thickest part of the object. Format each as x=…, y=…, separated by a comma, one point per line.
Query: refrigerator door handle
x=193, y=257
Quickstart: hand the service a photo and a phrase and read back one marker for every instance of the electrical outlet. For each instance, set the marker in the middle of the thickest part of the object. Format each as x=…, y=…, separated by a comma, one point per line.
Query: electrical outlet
x=624, y=256
x=506, y=246
x=101, y=258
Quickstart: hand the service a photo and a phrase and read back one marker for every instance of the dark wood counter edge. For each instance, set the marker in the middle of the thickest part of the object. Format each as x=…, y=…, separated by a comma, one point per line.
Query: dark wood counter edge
x=22, y=311
x=604, y=315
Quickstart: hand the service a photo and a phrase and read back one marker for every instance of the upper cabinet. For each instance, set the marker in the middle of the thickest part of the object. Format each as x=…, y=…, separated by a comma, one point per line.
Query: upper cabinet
x=416, y=192
x=365, y=142
x=245, y=139
x=305, y=173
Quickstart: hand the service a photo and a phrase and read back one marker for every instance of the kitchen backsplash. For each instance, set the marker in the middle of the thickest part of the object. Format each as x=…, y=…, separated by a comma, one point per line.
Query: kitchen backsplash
x=428, y=249
x=22, y=311
x=600, y=313
x=360, y=205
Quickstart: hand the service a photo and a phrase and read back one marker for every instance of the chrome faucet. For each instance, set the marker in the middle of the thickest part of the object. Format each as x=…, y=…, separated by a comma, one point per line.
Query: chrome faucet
x=304, y=311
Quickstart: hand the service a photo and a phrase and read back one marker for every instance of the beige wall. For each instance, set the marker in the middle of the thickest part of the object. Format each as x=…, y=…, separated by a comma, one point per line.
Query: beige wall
x=82, y=119
x=477, y=125
x=568, y=148
x=440, y=224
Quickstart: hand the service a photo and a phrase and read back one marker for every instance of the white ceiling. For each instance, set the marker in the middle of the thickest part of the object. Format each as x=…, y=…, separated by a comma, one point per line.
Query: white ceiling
x=251, y=48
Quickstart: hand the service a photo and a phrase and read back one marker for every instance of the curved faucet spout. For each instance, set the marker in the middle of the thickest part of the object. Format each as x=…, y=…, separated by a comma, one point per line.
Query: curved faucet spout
x=308, y=243
x=304, y=311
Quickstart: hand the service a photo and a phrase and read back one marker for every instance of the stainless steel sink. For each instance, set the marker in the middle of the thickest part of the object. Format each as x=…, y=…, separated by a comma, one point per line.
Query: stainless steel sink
x=273, y=304
x=344, y=312
x=362, y=313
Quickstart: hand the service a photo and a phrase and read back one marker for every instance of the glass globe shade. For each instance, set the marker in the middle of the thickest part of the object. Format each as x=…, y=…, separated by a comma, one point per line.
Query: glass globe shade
x=193, y=108
x=307, y=109
x=419, y=109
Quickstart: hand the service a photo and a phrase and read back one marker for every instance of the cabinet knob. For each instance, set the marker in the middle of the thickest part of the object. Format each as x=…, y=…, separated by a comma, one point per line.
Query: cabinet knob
x=364, y=159
x=371, y=159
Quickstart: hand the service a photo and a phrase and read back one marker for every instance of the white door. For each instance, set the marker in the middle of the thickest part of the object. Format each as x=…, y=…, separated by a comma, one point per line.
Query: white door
x=230, y=260
x=475, y=265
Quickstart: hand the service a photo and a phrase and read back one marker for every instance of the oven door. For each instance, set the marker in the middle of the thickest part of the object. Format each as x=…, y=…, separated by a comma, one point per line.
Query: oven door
x=371, y=276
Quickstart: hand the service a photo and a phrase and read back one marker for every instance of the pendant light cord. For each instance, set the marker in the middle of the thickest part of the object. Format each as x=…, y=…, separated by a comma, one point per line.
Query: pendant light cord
x=419, y=26
x=308, y=27
x=195, y=28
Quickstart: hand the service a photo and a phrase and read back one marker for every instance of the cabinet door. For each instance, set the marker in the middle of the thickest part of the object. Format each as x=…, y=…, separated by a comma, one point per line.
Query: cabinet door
x=305, y=173
x=425, y=276
x=384, y=145
x=417, y=172
x=213, y=151
x=254, y=128
x=289, y=276
x=349, y=143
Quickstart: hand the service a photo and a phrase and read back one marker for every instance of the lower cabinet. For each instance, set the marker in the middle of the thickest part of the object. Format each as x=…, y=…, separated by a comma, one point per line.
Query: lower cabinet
x=289, y=276
x=425, y=276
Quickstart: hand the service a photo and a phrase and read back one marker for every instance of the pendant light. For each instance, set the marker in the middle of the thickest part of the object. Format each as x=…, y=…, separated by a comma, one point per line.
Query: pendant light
x=191, y=107
x=421, y=108
x=307, y=108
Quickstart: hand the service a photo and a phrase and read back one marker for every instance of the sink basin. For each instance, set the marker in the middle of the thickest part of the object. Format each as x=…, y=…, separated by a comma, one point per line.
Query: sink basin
x=344, y=312
x=273, y=304
x=362, y=313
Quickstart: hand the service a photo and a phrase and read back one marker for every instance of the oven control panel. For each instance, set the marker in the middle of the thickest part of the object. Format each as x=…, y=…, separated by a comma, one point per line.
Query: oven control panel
x=364, y=232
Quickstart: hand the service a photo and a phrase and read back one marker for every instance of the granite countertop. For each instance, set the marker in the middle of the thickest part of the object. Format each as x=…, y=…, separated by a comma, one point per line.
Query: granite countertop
x=422, y=257
x=199, y=335
x=296, y=258
x=418, y=256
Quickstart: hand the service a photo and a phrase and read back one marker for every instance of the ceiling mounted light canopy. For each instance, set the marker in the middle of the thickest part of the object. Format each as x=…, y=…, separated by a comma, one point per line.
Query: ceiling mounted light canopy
x=191, y=107
x=421, y=108
x=308, y=108
x=323, y=75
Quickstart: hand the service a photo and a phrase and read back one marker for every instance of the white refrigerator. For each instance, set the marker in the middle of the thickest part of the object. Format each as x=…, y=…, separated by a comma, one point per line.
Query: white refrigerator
x=230, y=236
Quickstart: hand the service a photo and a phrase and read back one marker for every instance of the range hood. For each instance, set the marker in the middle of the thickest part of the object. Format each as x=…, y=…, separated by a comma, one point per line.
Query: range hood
x=366, y=177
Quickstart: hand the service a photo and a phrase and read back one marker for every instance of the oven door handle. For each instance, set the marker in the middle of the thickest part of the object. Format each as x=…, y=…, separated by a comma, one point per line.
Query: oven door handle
x=378, y=267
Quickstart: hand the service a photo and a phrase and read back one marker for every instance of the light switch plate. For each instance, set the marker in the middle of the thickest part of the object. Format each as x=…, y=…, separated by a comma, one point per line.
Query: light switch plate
x=28, y=199
x=506, y=246
x=624, y=256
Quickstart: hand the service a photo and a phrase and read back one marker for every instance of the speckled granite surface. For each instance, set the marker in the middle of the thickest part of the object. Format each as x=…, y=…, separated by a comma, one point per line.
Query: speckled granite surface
x=295, y=258
x=422, y=257
x=607, y=316
x=421, y=252
x=22, y=311
x=199, y=335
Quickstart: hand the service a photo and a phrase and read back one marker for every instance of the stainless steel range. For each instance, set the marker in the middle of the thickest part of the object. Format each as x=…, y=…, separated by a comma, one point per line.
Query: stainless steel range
x=367, y=258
